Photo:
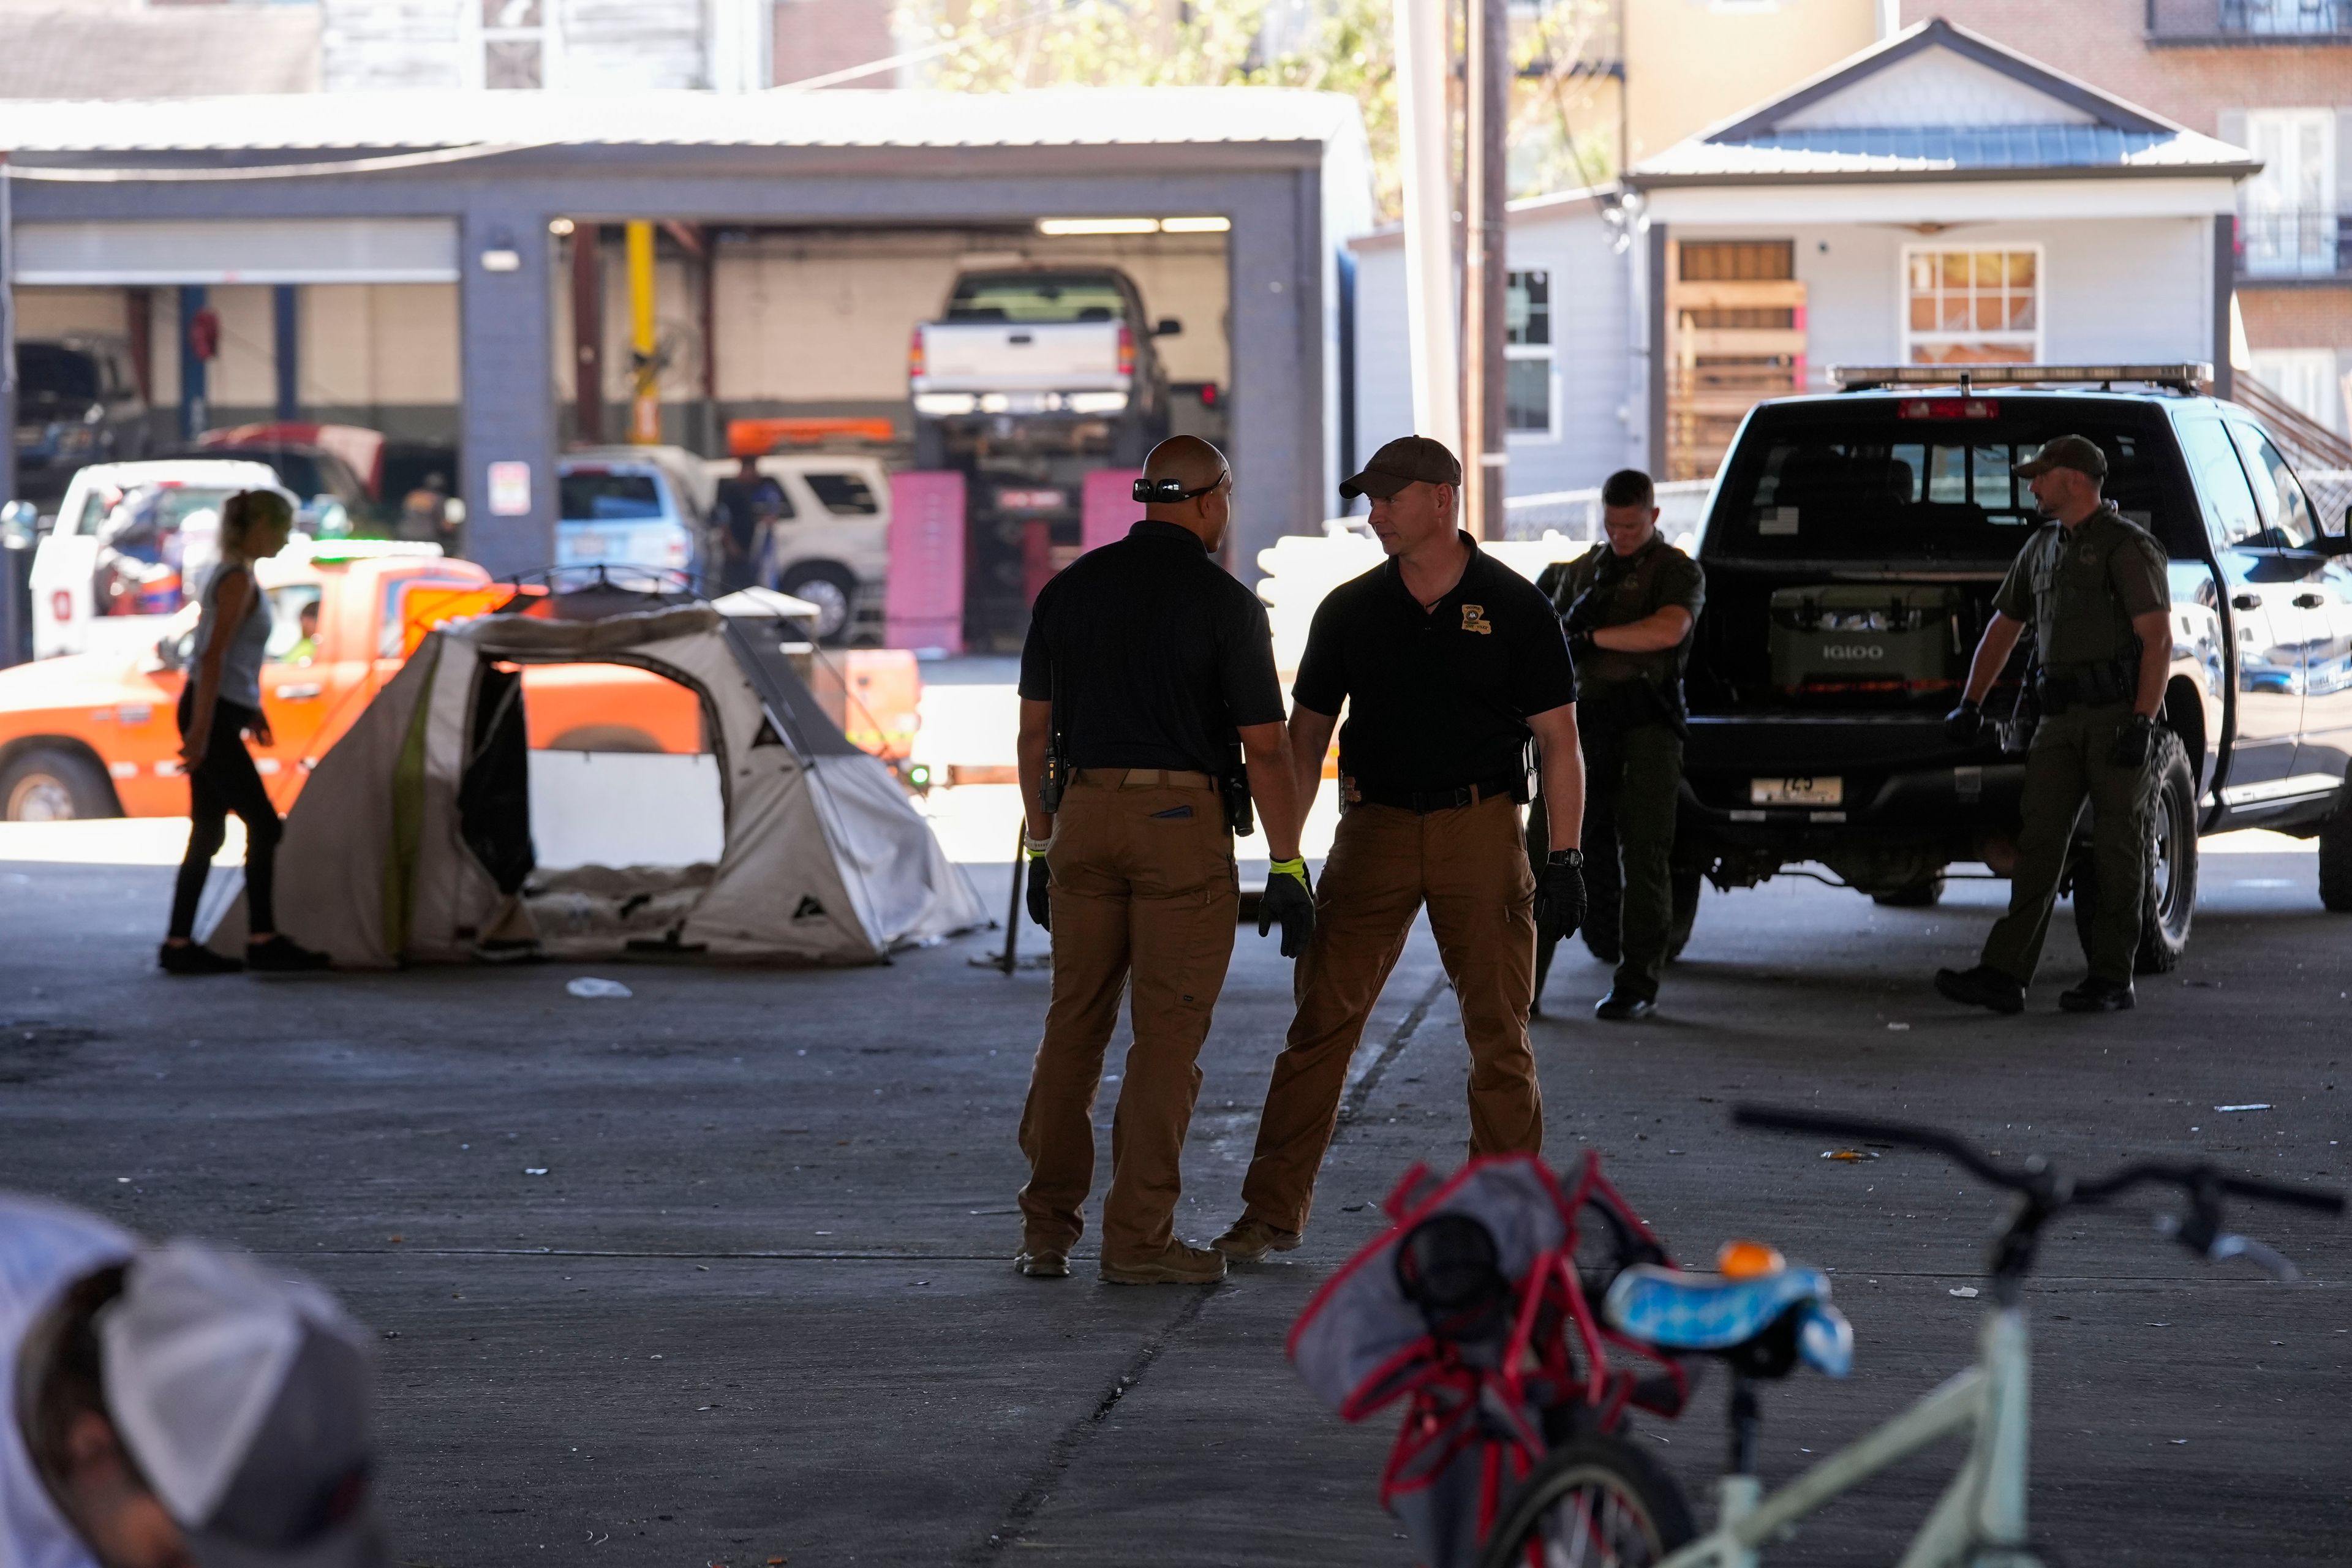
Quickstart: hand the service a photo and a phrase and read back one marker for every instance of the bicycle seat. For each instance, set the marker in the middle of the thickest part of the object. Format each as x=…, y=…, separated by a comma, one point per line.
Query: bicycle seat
x=1675, y=1310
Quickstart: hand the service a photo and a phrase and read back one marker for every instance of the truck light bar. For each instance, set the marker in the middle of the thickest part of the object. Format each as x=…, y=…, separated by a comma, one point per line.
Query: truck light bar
x=2183, y=377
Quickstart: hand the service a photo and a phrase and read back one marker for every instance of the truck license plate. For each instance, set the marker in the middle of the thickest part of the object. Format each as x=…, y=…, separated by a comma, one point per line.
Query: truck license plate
x=1796, y=791
x=588, y=546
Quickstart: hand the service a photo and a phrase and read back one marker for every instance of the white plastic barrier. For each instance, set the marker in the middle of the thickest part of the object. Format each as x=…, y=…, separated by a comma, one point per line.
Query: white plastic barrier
x=1301, y=568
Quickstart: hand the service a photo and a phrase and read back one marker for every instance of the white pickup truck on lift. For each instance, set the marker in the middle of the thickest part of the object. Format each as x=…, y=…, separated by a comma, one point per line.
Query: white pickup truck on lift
x=1054, y=358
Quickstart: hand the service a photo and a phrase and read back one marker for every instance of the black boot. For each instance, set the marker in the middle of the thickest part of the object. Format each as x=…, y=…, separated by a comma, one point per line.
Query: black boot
x=1624, y=1005
x=278, y=955
x=194, y=958
x=1983, y=986
x=2097, y=995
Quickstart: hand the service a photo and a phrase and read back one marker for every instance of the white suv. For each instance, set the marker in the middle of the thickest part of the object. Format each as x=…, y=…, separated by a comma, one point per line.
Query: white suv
x=831, y=546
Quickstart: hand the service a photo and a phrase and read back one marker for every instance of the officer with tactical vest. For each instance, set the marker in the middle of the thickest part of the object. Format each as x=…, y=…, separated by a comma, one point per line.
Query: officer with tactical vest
x=1627, y=607
x=2092, y=584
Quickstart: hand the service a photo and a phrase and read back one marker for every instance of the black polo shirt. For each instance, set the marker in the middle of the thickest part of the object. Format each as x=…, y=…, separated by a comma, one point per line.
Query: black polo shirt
x=1437, y=700
x=1151, y=653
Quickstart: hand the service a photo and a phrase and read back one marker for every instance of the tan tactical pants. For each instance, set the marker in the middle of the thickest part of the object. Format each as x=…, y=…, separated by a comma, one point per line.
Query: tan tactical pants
x=1144, y=897
x=1470, y=867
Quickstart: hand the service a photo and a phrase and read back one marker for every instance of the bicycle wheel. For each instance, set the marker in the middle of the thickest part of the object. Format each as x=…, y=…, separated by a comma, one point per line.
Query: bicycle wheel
x=1594, y=1502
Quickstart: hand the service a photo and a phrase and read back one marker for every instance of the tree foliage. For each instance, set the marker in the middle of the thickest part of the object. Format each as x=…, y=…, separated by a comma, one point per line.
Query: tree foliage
x=1321, y=46
x=1562, y=129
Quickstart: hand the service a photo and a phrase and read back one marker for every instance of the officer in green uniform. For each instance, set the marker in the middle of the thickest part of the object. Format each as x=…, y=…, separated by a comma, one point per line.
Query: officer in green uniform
x=2093, y=587
x=1627, y=607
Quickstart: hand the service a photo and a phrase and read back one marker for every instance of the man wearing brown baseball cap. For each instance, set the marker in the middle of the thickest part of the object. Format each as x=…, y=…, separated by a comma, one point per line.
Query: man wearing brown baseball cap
x=1408, y=459
x=1449, y=664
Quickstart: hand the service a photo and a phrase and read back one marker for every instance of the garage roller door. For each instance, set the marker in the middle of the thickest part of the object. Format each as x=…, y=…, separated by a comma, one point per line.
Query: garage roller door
x=285, y=250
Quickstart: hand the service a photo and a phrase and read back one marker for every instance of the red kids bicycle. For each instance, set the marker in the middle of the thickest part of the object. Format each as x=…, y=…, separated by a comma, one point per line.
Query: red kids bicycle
x=1479, y=1307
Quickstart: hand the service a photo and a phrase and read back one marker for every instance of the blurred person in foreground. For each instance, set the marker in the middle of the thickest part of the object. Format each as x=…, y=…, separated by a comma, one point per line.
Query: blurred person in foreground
x=174, y=1406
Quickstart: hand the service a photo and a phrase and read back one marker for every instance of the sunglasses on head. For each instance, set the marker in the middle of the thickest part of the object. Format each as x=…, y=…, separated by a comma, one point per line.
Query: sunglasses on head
x=1162, y=492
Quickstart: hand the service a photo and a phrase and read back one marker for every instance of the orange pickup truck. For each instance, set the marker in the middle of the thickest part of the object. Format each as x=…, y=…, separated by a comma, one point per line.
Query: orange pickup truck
x=94, y=735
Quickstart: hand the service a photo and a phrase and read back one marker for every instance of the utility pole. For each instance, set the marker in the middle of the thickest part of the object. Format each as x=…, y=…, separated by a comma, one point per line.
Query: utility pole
x=1485, y=273
x=588, y=332
x=1422, y=131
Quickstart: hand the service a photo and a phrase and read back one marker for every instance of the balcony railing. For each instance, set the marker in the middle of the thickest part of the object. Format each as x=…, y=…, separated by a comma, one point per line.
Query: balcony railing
x=2294, y=243
x=2250, y=21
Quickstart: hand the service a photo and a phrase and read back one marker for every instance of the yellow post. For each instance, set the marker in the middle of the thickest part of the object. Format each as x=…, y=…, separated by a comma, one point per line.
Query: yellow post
x=644, y=408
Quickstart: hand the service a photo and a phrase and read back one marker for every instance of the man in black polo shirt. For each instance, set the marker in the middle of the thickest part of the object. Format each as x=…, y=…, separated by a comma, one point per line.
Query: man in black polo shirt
x=1146, y=665
x=1448, y=660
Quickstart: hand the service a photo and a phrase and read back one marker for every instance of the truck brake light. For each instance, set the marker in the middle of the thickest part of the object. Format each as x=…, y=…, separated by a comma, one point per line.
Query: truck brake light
x=914, y=352
x=1126, y=348
x=1949, y=408
x=61, y=604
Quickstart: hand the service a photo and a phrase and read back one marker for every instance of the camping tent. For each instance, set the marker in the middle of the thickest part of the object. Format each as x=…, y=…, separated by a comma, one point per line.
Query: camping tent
x=413, y=838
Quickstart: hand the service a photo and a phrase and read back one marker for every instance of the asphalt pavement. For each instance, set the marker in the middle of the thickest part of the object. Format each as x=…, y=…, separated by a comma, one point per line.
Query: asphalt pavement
x=718, y=1273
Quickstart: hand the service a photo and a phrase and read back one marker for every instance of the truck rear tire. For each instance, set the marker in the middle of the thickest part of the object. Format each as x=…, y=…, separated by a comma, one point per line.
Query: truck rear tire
x=2168, y=899
x=50, y=784
x=2335, y=857
x=1923, y=894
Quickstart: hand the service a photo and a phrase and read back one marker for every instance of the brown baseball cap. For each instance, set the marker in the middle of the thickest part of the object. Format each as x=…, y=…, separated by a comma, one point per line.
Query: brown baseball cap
x=2079, y=453
x=1408, y=459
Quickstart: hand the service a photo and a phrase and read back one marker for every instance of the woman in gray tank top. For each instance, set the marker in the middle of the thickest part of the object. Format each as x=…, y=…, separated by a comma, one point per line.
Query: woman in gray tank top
x=220, y=705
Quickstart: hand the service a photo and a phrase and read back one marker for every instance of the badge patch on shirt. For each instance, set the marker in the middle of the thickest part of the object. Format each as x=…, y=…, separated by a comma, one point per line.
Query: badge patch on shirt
x=1473, y=619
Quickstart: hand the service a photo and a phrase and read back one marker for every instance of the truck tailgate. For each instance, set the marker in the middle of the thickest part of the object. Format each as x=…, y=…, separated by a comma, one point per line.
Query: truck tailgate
x=990, y=356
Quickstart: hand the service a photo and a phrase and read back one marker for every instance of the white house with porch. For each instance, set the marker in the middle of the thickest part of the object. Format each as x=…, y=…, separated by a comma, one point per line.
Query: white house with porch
x=1937, y=199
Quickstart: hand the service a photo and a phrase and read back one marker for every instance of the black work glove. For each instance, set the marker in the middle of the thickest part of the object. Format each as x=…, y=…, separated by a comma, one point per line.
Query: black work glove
x=2135, y=743
x=1041, y=887
x=1560, y=895
x=1965, y=723
x=1289, y=899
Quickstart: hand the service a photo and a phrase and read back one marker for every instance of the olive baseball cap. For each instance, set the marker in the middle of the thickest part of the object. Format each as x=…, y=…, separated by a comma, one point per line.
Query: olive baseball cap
x=2076, y=452
x=1408, y=459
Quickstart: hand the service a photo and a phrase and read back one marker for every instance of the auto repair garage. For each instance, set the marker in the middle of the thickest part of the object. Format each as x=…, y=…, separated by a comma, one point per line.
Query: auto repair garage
x=409, y=261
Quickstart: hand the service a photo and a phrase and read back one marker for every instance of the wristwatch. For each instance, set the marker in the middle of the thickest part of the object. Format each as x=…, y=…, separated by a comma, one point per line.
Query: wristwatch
x=1565, y=858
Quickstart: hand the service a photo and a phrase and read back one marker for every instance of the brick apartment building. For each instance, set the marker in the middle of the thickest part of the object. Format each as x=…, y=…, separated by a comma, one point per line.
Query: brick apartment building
x=2272, y=75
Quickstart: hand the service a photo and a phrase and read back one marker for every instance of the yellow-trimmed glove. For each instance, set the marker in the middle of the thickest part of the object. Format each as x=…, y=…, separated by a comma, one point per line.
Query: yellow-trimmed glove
x=1289, y=899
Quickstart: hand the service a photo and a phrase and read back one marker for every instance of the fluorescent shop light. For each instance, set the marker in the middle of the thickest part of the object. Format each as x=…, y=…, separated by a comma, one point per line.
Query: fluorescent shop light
x=1075, y=226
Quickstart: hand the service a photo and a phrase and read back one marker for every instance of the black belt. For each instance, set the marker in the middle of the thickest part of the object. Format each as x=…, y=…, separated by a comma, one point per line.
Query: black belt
x=1513, y=787
x=2086, y=685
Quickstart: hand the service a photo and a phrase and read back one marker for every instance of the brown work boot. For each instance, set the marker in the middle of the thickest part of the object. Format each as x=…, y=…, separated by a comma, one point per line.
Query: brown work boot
x=1249, y=1240
x=1043, y=1263
x=1176, y=1264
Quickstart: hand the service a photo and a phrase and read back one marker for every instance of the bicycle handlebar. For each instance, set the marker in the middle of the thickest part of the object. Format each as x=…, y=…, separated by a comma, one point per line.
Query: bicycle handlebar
x=2036, y=1182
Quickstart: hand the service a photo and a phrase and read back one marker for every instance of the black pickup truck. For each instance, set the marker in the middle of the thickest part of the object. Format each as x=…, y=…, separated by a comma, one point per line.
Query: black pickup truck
x=1853, y=544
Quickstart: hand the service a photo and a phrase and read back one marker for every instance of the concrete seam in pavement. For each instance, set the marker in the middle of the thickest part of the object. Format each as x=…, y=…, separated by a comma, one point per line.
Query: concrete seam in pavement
x=1360, y=1091
x=1065, y=1451
x=1074, y=1436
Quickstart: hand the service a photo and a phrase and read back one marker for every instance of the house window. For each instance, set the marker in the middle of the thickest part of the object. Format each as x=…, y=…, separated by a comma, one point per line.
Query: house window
x=1529, y=404
x=1972, y=307
x=514, y=43
x=2288, y=216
